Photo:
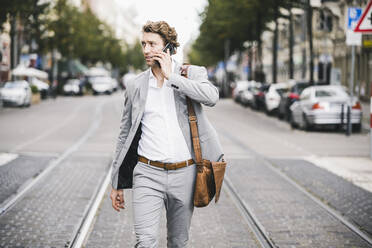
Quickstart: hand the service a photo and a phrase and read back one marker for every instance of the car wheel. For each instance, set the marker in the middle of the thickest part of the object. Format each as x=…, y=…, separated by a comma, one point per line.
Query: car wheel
x=280, y=115
x=287, y=116
x=306, y=124
x=292, y=122
x=357, y=128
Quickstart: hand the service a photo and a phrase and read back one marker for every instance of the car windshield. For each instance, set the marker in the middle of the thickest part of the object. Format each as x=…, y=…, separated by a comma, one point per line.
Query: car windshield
x=11, y=85
x=74, y=81
x=101, y=80
x=330, y=93
x=281, y=91
x=300, y=87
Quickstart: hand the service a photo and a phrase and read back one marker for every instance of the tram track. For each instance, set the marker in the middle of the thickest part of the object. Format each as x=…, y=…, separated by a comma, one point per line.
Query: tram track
x=11, y=201
x=254, y=222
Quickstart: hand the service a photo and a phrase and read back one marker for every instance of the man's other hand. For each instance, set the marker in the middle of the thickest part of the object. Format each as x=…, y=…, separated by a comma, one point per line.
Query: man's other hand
x=117, y=198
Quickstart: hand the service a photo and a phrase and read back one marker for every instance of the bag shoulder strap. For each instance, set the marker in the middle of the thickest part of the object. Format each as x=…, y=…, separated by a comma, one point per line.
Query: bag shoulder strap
x=193, y=122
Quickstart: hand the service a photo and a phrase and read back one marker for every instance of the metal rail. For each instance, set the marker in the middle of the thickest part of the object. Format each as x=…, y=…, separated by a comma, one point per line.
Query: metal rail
x=258, y=230
x=81, y=233
x=355, y=229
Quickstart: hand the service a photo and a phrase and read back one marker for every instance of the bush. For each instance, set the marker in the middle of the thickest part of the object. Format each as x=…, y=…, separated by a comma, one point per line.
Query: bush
x=34, y=89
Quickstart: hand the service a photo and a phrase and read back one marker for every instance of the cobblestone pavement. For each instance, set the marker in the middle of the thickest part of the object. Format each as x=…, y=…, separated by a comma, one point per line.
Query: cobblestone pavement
x=17, y=172
x=352, y=201
x=291, y=218
x=50, y=212
x=48, y=215
x=218, y=225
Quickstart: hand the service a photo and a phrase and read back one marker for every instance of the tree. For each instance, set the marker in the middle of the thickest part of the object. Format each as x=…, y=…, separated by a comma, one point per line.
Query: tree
x=237, y=21
x=80, y=34
x=25, y=12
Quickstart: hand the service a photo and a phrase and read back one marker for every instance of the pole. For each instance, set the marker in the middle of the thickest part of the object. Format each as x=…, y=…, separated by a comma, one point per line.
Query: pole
x=291, y=69
x=351, y=82
x=275, y=53
x=348, y=120
x=226, y=77
x=370, y=125
x=310, y=36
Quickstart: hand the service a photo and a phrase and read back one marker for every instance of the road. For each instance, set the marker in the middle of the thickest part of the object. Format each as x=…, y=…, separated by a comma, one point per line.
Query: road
x=55, y=157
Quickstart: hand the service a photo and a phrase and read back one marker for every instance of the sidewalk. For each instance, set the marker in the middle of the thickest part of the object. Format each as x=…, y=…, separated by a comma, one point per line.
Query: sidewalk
x=366, y=115
x=357, y=170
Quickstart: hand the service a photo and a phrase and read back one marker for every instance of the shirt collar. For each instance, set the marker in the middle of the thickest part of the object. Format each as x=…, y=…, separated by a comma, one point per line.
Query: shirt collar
x=152, y=79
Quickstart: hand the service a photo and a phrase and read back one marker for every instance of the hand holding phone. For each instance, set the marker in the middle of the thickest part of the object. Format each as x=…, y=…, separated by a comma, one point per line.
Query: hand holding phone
x=169, y=47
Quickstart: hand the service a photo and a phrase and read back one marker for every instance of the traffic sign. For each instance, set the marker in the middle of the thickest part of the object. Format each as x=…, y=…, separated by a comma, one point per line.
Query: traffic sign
x=352, y=18
x=365, y=22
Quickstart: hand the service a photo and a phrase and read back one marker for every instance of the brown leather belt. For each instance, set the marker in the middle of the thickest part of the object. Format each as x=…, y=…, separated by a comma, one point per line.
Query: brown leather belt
x=166, y=166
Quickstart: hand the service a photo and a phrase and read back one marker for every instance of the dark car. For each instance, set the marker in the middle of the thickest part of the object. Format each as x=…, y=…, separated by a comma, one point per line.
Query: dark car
x=259, y=97
x=289, y=98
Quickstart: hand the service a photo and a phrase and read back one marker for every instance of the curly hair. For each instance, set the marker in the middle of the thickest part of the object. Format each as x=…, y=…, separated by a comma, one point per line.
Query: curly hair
x=167, y=33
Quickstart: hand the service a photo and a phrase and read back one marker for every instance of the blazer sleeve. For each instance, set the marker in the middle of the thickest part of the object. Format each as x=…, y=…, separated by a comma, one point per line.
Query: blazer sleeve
x=197, y=87
x=125, y=126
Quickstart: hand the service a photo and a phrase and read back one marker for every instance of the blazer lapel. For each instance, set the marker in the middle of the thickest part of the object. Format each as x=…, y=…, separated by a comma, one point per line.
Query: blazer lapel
x=143, y=89
x=177, y=98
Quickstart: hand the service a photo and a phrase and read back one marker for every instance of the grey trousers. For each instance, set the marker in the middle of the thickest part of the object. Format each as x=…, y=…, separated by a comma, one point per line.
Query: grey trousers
x=154, y=188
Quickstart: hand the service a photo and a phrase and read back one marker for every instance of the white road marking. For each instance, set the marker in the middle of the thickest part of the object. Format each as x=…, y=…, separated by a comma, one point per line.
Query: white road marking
x=93, y=127
x=47, y=132
x=7, y=157
x=357, y=170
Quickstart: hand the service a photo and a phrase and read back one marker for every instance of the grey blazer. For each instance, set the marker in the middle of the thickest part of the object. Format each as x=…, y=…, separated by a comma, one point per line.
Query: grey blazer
x=200, y=91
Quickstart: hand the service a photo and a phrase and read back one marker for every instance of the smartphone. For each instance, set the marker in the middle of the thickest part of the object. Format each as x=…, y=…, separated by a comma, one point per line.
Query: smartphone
x=170, y=47
x=171, y=50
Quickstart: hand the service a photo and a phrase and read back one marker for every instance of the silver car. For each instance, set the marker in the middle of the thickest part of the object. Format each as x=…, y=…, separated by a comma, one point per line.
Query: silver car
x=17, y=93
x=325, y=105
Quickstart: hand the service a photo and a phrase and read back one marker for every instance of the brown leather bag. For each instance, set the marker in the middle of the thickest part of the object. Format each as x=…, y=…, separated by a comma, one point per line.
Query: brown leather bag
x=210, y=174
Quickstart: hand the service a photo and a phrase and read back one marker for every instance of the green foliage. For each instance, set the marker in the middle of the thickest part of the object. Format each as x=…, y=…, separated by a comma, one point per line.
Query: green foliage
x=34, y=89
x=134, y=56
x=80, y=34
x=75, y=33
x=236, y=21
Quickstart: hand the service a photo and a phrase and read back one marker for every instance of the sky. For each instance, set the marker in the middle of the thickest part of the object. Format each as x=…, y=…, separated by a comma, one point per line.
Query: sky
x=181, y=14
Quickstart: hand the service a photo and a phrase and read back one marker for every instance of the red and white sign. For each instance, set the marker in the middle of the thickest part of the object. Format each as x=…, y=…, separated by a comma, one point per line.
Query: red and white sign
x=365, y=22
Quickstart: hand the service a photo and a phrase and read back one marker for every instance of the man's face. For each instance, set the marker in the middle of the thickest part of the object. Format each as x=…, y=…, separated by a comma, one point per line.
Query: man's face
x=151, y=43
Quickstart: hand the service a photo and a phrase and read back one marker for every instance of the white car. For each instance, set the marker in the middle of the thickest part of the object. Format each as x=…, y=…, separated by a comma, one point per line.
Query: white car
x=17, y=93
x=240, y=86
x=325, y=105
x=273, y=95
x=41, y=86
x=115, y=84
x=127, y=77
x=72, y=87
x=102, y=85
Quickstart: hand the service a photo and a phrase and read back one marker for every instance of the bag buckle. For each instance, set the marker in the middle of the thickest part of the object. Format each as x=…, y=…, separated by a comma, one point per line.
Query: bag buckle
x=192, y=118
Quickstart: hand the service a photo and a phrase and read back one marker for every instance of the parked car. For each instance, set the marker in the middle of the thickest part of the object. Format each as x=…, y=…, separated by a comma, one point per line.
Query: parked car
x=101, y=85
x=73, y=87
x=115, y=84
x=240, y=86
x=126, y=78
x=247, y=95
x=41, y=86
x=259, y=96
x=273, y=95
x=290, y=97
x=325, y=105
x=16, y=93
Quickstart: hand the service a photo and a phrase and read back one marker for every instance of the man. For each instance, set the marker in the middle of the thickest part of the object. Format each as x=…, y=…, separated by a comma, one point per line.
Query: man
x=154, y=153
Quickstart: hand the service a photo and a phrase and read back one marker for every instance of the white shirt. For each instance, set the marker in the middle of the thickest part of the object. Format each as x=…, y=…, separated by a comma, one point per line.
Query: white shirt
x=161, y=138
